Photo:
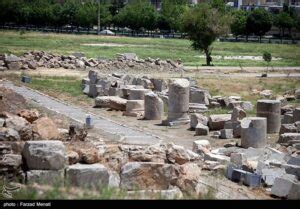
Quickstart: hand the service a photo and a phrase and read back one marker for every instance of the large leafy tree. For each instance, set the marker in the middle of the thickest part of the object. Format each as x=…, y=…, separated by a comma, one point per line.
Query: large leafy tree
x=171, y=12
x=238, y=24
x=283, y=21
x=203, y=24
x=137, y=15
x=259, y=21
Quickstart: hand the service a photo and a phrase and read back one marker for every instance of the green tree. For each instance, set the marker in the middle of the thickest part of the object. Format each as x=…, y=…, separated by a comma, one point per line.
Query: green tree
x=238, y=24
x=284, y=21
x=138, y=15
x=172, y=12
x=203, y=24
x=259, y=21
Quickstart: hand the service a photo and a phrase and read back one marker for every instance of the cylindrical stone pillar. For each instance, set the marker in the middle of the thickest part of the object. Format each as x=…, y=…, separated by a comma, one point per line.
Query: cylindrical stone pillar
x=179, y=93
x=137, y=94
x=154, y=107
x=270, y=109
x=253, y=132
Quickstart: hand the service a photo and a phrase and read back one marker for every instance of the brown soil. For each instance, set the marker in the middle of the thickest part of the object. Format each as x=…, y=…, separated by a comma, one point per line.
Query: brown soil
x=11, y=101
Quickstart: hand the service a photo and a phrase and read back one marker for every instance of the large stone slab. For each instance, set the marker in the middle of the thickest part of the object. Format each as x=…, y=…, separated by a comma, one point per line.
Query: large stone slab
x=283, y=185
x=45, y=155
x=82, y=175
x=113, y=102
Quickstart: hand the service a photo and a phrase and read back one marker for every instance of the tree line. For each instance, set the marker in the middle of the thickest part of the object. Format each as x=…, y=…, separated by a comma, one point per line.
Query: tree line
x=136, y=15
x=202, y=23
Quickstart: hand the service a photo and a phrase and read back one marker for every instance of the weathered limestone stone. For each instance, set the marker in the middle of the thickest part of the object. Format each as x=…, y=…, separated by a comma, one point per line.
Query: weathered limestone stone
x=102, y=101
x=287, y=128
x=86, y=89
x=21, y=125
x=153, y=153
x=253, y=132
x=178, y=154
x=189, y=174
x=137, y=94
x=237, y=114
x=283, y=185
x=146, y=175
x=113, y=102
x=270, y=109
x=45, y=129
x=197, y=108
x=93, y=76
x=214, y=157
x=134, y=108
x=154, y=107
x=226, y=134
x=199, y=96
x=49, y=177
x=94, y=175
x=199, y=145
x=197, y=118
x=296, y=114
x=115, y=91
x=288, y=118
x=92, y=90
x=45, y=155
x=294, y=193
x=270, y=174
x=235, y=126
x=9, y=134
x=178, y=102
x=159, y=84
x=103, y=86
x=217, y=122
x=11, y=160
x=289, y=137
x=126, y=89
x=73, y=157
x=201, y=130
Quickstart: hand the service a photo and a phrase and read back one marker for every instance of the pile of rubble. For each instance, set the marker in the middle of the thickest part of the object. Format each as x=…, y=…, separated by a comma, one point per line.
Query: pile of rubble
x=123, y=63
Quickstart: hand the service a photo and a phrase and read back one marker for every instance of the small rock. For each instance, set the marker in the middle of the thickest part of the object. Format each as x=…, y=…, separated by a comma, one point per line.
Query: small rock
x=201, y=130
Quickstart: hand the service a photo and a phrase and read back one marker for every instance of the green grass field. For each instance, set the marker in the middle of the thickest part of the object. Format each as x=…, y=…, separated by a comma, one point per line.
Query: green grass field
x=18, y=43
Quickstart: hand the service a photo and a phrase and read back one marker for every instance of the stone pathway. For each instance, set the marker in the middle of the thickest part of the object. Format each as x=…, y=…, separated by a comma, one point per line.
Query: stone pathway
x=114, y=130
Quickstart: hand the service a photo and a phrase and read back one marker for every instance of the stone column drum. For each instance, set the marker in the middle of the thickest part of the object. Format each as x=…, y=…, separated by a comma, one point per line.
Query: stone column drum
x=253, y=132
x=270, y=109
x=154, y=107
x=179, y=93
